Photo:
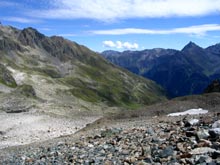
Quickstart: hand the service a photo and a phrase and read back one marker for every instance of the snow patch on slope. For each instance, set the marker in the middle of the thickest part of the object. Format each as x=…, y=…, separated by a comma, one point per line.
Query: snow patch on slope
x=189, y=112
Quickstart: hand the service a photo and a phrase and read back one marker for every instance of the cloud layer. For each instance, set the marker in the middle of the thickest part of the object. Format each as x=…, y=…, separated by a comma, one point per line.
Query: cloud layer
x=124, y=9
x=194, y=30
x=120, y=45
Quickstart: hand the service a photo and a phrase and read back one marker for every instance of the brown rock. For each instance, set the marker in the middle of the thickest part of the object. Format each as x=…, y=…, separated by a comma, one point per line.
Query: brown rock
x=204, y=143
x=132, y=159
x=107, y=162
x=185, y=155
x=142, y=163
x=180, y=146
x=206, y=120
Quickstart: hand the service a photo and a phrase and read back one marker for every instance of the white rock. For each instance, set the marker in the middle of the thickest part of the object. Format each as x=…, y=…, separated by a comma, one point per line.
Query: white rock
x=193, y=121
x=216, y=124
x=202, y=150
x=90, y=145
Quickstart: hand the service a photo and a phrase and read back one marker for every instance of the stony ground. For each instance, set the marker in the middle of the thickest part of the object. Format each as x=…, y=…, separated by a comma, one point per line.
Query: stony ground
x=145, y=136
x=159, y=140
x=25, y=128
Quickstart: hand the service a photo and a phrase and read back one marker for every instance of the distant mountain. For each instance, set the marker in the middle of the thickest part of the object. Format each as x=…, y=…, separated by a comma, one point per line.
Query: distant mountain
x=184, y=72
x=65, y=76
x=137, y=61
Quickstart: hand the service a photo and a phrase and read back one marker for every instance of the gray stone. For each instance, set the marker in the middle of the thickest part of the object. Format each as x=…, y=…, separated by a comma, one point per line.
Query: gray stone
x=193, y=121
x=147, y=150
x=125, y=152
x=148, y=160
x=150, y=131
x=202, y=150
x=214, y=132
x=110, y=132
x=216, y=124
x=106, y=146
x=168, y=151
x=202, y=134
x=2, y=132
x=203, y=159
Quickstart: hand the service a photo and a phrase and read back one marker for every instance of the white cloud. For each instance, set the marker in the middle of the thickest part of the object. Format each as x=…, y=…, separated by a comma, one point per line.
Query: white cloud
x=128, y=45
x=124, y=9
x=120, y=45
x=109, y=44
x=20, y=20
x=198, y=30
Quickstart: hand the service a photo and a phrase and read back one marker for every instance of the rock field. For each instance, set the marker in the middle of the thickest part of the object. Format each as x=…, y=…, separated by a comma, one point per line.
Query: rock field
x=189, y=139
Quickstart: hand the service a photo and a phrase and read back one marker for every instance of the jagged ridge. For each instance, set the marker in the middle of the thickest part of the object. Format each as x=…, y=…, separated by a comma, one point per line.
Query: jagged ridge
x=184, y=72
x=72, y=71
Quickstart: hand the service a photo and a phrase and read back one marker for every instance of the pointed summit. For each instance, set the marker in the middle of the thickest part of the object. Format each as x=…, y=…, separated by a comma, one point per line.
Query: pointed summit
x=189, y=46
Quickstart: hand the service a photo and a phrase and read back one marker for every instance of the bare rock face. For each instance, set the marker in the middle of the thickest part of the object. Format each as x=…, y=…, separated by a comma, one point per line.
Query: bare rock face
x=21, y=99
x=31, y=37
x=6, y=77
x=16, y=105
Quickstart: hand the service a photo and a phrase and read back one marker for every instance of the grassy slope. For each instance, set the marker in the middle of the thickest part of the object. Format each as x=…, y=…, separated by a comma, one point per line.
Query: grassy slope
x=82, y=73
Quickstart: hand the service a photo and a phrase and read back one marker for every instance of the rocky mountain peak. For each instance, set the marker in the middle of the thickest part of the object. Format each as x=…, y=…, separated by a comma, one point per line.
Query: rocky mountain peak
x=30, y=37
x=191, y=45
x=32, y=31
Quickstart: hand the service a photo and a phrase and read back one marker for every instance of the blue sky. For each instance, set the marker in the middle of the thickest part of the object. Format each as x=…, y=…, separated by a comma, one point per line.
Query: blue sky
x=119, y=24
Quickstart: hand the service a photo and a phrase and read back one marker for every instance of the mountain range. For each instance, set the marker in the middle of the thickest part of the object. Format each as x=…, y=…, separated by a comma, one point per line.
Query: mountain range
x=179, y=72
x=60, y=76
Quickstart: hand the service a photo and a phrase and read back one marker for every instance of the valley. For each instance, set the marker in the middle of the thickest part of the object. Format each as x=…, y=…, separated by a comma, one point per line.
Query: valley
x=62, y=103
x=117, y=82
x=52, y=87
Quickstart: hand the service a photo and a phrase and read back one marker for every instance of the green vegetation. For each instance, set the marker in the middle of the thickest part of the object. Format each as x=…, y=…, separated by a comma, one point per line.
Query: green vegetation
x=113, y=87
x=26, y=90
x=49, y=71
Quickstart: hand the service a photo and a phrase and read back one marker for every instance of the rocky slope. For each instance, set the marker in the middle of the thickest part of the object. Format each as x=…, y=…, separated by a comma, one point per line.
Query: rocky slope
x=66, y=77
x=184, y=72
x=147, y=139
